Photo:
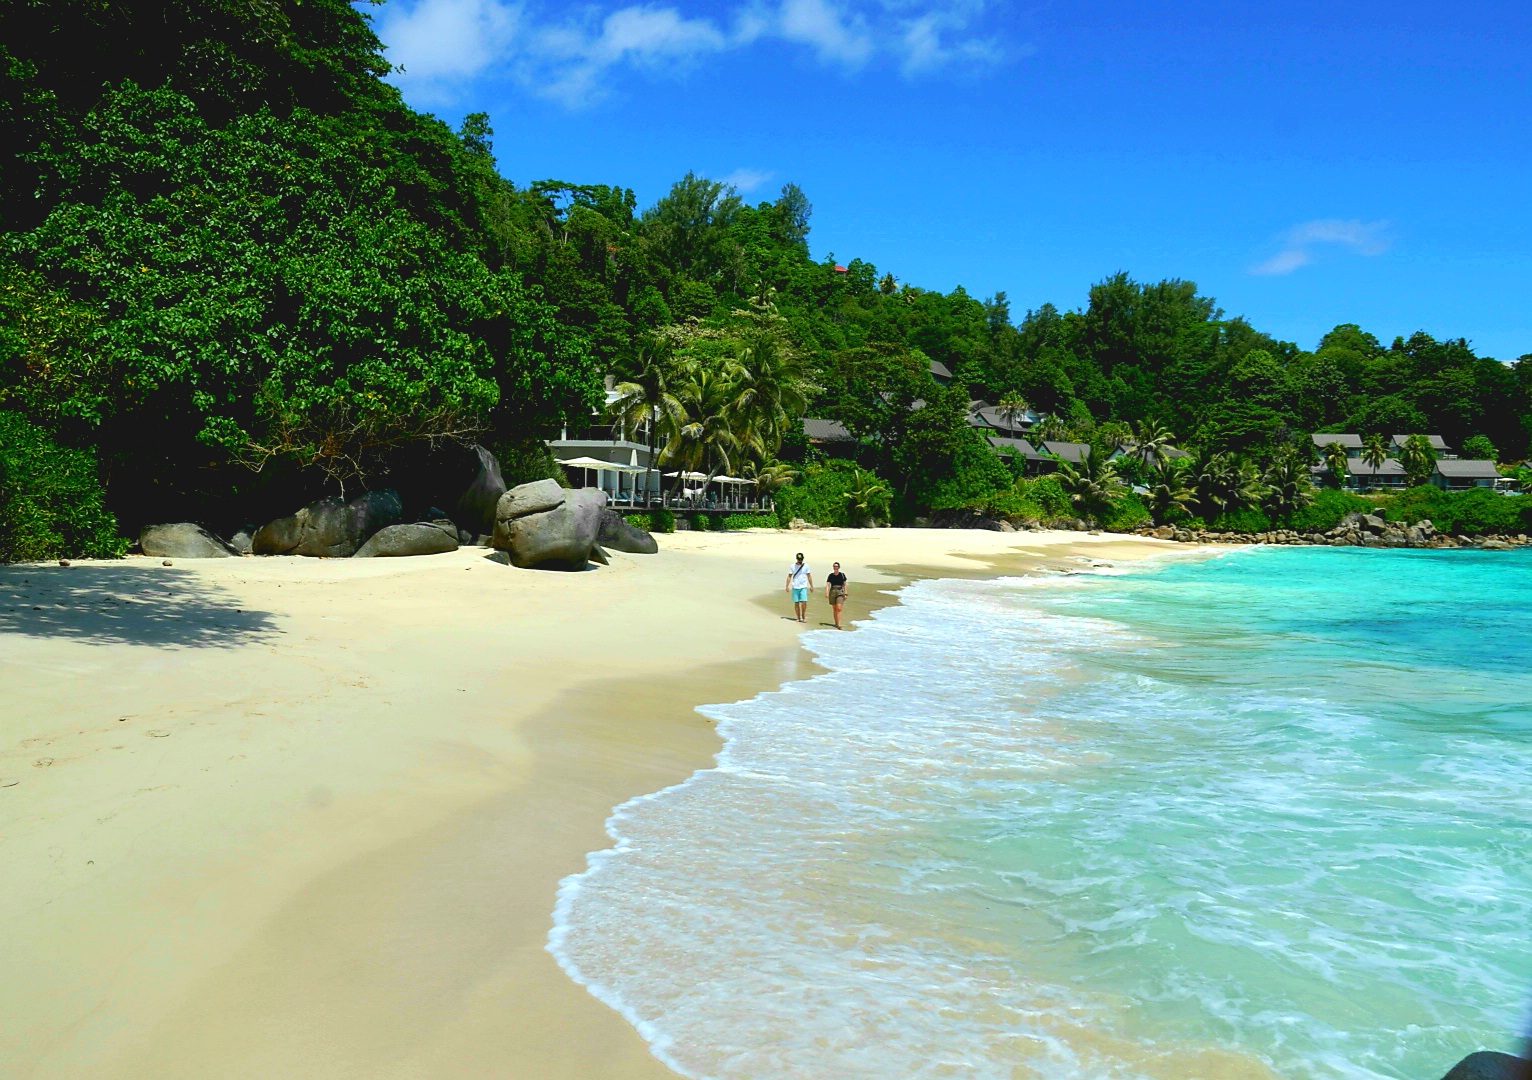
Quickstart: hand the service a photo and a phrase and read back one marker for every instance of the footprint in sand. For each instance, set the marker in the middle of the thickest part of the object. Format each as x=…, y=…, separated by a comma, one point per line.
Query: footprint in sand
x=42, y=763
x=158, y=734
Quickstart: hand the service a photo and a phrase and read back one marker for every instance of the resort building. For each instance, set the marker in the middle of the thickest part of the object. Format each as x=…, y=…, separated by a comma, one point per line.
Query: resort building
x=1450, y=471
x=1458, y=475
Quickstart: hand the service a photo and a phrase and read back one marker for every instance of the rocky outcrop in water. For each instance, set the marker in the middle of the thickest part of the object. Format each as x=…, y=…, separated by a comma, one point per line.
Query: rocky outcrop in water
x=1488, y=1065
x=1355, y=530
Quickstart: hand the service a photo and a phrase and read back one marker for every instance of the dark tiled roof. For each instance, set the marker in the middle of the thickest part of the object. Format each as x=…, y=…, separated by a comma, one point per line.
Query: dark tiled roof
x=1350, y=442
x=1014, y=446
x=1390, y=467
x=940, y=370
x=826, y=430
x=1069, y=451
x=1468, y=470
x=1438, y=443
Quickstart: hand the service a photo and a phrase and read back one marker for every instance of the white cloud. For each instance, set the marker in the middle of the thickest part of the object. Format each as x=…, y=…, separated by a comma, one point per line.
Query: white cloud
x=925, y=48
x=837, y=35
x=1300, y=242
x=443, y=45
x=747, y=180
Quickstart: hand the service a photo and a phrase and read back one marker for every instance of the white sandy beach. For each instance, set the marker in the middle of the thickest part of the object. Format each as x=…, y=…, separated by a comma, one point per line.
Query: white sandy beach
x=305, y=819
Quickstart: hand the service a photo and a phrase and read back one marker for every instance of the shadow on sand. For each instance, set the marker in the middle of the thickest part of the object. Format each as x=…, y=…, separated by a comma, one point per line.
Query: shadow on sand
x=107, y=605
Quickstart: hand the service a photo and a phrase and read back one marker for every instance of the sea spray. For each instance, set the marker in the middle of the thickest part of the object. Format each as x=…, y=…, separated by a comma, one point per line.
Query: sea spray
x=1266, y=814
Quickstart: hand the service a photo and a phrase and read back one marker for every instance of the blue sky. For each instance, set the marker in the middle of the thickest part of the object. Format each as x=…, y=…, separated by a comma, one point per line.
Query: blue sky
x=1306, y=163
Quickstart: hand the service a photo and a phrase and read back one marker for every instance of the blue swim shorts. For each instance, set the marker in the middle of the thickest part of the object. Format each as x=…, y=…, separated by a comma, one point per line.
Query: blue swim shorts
x=800, y=596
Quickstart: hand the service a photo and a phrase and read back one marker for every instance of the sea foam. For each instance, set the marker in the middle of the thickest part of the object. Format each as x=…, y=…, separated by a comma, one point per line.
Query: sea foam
x=1136, y=826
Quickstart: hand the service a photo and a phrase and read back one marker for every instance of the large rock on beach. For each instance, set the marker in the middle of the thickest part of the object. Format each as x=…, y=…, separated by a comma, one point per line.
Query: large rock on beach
x=329, y=528
x=1488, y=1065
x=548, y=527
x=183, y=540
x=617, y=535
x=475, y=508
x=419, y=538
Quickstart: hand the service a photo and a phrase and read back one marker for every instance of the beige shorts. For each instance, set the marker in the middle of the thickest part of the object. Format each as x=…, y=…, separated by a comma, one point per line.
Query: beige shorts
x=837, y=596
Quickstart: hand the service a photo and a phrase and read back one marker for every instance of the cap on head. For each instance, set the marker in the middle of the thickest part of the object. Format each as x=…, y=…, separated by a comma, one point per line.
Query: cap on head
x=800, y=556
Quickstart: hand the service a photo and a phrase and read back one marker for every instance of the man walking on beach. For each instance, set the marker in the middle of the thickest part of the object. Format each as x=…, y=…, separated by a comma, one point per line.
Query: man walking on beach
x=800, y=582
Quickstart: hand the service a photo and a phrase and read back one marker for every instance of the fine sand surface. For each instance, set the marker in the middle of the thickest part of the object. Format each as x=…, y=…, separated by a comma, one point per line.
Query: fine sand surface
x=299, y=818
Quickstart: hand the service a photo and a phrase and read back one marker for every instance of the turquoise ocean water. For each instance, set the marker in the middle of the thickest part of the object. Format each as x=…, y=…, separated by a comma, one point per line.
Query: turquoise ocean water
x=1268, y=814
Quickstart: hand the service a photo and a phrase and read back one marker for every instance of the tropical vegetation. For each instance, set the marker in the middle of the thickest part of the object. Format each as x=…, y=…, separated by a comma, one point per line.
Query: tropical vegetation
x=238, y=271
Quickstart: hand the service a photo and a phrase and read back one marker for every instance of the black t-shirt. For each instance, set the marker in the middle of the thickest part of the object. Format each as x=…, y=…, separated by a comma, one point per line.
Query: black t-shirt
x=836, y=581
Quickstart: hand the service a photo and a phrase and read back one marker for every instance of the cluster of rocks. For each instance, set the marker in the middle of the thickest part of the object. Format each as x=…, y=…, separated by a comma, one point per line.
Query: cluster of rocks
x=1354, y=530
x=537, y=525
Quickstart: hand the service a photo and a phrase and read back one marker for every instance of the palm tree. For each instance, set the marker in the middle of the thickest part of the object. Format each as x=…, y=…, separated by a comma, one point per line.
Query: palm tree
x=1288, y=488
x=1335, y=460
x=868, y=497
x=1374, y=453
x=644, y=401
x=1418, y=458
x=768, y=478
x=770, y=390
x=701, y=433
x=1091, y=485
x=1052, y=428
x=1168, y=490
x=1225, y=483
x=1152, y=443
x=1012, y=405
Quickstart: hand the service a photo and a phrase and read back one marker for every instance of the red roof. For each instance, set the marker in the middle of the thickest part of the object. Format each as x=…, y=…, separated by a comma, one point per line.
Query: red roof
x=840, y=269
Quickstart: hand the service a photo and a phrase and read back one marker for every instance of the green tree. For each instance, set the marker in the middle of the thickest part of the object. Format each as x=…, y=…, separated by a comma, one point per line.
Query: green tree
x=1012, y=406
x=644, y=406
x=1223, y=483
x=1335, y=459
x=868, y=498
x=1479, y=448
x=1418, y=458
x=1287, y=486
x=1091, y=484
x=1168, y=492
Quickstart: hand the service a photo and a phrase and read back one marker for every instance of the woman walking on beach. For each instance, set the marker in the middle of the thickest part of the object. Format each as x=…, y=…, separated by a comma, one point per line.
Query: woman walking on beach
x=800, y=581
x=835, y=592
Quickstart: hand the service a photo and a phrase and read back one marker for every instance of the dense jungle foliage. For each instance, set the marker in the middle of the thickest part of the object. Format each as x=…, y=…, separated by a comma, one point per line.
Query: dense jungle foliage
x=237, y=271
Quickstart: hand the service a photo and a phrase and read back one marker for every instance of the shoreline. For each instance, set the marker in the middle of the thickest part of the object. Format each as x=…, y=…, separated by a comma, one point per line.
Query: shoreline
x=365, y=885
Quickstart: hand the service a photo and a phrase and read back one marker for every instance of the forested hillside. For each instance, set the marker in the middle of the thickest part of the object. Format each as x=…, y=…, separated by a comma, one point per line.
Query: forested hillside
x=237, y=271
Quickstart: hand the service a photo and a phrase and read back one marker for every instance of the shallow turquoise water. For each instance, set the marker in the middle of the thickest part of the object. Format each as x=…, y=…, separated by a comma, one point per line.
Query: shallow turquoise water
x=1267, y=813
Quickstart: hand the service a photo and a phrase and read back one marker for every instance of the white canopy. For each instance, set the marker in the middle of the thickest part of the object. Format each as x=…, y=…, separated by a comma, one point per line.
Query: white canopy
x=598, y=465
x=732, y=480
x=690, y=475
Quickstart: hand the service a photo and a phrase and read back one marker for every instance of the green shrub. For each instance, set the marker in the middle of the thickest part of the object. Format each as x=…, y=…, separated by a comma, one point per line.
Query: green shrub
x=744, y=521
x=1041, y=500
x=1128, y=513
x=1326, y=511
x=1248, y=520
x=51, y=502
x=819, y=495
x=656, y=520
x=699, y=523
x=524, y=463
x=1472, y=512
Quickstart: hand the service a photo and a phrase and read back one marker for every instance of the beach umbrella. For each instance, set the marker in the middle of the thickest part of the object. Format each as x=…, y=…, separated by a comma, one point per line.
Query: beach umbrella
x=687, y=475
x=597, y=465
